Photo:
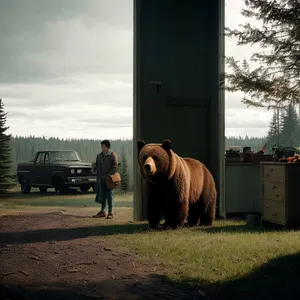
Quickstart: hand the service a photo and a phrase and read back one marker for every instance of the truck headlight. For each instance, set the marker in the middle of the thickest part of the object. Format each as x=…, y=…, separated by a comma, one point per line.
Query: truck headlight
x=79, y=171
x=72, y=171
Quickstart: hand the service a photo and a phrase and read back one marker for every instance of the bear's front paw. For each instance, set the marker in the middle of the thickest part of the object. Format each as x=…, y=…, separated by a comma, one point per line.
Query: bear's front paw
x=157, y=227
x=167, y=226
x=186, y=224
x=162, y=227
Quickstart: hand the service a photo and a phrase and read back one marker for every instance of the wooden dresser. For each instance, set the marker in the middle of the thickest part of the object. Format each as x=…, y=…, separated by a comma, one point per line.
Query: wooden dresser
x=281, y=193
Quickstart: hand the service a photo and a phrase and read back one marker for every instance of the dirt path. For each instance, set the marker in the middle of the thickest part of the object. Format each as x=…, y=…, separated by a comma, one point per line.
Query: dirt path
x=58, y=256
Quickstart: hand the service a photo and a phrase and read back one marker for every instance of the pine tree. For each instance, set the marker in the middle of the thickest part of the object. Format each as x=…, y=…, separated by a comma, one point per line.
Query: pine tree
x=124, y=172
x=274, y=133
x=273, y=129
x=276, y=79
x=5, y=153
x=290, y=127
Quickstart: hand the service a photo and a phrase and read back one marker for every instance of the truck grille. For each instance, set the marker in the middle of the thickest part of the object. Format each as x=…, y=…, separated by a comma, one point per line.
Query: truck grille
x=85, y=172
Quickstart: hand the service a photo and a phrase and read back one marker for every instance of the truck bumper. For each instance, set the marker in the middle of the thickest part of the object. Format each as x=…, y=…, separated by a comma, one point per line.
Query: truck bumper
x=81, y=180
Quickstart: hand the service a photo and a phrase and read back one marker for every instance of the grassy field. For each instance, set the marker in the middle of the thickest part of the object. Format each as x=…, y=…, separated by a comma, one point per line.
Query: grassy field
x=231, y=259
x=75, y=198
x=230, y=255
x=74, y=203
x=227, y=251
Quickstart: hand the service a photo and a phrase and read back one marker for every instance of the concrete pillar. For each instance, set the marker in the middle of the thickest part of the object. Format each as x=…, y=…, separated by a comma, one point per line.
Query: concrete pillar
x=178, y=58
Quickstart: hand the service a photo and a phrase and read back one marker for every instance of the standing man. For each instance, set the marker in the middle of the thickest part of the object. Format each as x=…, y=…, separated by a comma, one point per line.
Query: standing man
x=106, y=164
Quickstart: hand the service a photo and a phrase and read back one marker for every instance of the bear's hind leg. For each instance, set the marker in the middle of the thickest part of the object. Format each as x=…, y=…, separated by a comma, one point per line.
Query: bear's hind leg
x=207, y=210
x=176, y=214
x=194, y=214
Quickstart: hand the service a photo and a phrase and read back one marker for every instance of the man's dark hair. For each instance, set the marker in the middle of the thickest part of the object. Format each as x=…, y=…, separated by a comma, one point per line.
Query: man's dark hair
x=106, y=143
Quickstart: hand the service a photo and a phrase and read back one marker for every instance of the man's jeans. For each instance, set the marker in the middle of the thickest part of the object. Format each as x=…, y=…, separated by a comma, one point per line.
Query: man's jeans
x=104, y=193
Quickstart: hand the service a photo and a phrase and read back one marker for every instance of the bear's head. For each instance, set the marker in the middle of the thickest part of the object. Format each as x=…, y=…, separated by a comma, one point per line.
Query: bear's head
x=155, y=160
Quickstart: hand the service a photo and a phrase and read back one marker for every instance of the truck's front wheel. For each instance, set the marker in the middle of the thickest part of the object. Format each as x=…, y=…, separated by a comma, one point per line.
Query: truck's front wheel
x=25, y=186
x=59, y=186
x=43, y=189
x=84, y=188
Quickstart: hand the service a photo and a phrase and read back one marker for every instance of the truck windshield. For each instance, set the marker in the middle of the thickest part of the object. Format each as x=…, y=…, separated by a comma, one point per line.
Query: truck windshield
x=64, y=156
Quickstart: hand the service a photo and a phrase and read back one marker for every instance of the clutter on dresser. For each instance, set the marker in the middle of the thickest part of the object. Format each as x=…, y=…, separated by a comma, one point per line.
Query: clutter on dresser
x=247, y=155
x=234, y=154
x=281, y=153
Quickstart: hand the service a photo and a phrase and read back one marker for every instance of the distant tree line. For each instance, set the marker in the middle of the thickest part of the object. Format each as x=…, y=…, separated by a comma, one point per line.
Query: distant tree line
x=285, y=127
x=23, y=149
x=284, y=130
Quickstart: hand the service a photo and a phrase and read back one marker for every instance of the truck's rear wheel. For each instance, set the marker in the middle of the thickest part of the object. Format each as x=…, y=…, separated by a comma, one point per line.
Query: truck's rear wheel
x=43, y=189
x=59, y=186
x=25, y=186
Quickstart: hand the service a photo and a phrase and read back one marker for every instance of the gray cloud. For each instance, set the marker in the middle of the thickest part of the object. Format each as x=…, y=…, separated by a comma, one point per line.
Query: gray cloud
x=66, y=69
x=250, y=118
x=234, y=100
x=82, y=91
x=42, y=39
x=116, y=119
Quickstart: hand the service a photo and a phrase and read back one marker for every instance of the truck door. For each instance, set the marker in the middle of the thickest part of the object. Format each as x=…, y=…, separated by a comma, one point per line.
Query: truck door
x=48, y=169
x=38, y=173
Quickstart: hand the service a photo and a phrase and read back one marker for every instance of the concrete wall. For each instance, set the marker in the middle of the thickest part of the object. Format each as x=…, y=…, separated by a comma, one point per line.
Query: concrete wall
x=179, y=45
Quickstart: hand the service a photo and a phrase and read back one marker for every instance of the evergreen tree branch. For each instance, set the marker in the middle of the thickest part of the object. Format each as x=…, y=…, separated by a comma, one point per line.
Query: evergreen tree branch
x=277, y=79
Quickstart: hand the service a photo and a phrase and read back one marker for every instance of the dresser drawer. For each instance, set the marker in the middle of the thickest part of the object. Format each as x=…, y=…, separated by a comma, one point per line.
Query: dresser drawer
x=274, y=211
x=274, y=173
x=274, y=191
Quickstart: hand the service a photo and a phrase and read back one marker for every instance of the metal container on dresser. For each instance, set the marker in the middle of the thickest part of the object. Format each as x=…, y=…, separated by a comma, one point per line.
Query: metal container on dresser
x=281, y=193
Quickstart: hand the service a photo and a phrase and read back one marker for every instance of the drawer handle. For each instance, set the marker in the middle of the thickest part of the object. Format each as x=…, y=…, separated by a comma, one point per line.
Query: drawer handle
x=277, y=195
x=274, y=214
x=274, y=187
x=272, y=170
x=268, y=175
x=267, y=206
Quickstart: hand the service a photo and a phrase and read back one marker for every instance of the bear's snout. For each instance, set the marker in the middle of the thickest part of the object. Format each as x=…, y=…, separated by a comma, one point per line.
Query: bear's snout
x=147, y=167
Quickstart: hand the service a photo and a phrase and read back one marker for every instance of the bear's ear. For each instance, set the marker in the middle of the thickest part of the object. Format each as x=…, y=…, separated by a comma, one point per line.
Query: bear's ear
x=140, y=145
x=166, y=145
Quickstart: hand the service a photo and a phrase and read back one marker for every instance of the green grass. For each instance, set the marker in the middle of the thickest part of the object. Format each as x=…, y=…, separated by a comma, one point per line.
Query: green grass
x=211, y=255
x=260, y=262
x=230, y=252
x=35, y=198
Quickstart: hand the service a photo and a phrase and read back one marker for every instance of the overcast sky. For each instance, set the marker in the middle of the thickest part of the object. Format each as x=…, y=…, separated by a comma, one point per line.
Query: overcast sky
x=66, y=69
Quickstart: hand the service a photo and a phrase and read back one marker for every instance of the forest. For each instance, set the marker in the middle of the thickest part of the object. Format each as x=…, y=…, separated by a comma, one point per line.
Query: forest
x=23, y=148
x=284, y=130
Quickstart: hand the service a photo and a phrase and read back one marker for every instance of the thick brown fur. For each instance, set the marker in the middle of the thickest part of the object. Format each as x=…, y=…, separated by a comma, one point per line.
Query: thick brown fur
x=180, y=189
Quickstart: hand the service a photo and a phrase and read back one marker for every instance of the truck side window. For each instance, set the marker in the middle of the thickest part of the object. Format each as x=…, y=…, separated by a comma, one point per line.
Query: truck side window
x=40, y=158
x=47, y=160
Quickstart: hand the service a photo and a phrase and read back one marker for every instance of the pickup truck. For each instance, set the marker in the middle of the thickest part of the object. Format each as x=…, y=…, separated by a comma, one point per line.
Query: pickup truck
x=60, y=169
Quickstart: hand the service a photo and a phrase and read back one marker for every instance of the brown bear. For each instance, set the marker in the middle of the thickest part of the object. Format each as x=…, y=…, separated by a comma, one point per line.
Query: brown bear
x=180, y=189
